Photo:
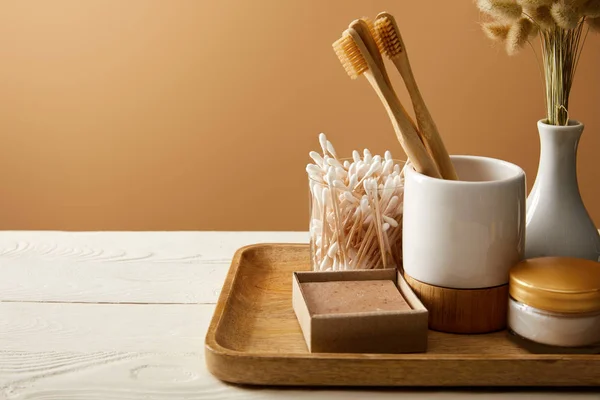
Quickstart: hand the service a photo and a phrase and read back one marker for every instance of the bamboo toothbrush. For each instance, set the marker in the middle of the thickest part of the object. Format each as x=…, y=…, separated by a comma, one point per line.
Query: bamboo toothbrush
x=356, y=57
x=392, y=46
x=366, y=29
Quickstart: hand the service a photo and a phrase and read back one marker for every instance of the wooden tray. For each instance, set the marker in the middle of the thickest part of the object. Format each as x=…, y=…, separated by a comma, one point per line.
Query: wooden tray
x=254, y=338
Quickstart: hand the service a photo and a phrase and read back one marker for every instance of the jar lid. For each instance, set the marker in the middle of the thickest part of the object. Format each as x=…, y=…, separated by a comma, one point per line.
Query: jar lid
x=558, y=284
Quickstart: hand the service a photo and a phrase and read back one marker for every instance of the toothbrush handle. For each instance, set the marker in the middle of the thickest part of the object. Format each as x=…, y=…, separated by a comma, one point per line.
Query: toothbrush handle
x=428, y=129
x=405, y=130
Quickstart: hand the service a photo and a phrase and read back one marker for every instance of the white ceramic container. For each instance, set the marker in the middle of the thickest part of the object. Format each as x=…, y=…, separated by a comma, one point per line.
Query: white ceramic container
x=464, y=234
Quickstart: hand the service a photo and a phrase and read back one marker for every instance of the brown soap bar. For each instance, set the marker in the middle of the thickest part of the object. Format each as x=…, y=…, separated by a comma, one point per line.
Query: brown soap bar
x=341, y=297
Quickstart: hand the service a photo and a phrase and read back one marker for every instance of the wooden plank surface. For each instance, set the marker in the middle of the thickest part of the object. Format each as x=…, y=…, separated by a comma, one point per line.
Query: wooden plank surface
x=123, y=315
x=115, y=267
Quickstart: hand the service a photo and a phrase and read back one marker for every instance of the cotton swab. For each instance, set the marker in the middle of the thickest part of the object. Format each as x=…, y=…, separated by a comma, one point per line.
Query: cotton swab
x=357, y=209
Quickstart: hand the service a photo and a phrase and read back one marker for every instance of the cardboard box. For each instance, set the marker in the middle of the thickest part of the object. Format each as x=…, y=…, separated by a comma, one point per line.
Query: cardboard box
x=335, y=330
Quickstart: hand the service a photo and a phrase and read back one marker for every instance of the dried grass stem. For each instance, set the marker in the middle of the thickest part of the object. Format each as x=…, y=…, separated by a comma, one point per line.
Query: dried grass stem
x=561, y=49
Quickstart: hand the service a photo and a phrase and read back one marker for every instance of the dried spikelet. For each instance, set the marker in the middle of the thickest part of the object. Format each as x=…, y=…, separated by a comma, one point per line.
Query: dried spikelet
x=535, y=29
x=388, y=36
x=565, y=14
x=518, y=35
x=534, y=3
x=542, y=17
x=496, y=31
x=503, y=10
x=577, y=4
x=594, y=24
x=591, y=9
x=350, y=56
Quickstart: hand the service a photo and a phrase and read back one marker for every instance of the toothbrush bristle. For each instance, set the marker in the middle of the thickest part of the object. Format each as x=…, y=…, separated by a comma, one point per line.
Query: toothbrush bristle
x=374, y=34
x=386, y=32
x=350, y=56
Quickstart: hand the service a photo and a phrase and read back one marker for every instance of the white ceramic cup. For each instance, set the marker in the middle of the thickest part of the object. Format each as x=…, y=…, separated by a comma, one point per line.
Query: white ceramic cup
x=464, y=234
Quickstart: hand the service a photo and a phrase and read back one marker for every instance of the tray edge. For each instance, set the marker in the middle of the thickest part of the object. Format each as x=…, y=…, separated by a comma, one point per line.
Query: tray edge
x=218, y=357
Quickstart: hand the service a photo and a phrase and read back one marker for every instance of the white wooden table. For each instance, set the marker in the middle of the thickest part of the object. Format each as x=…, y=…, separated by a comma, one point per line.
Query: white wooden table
x=123, y=315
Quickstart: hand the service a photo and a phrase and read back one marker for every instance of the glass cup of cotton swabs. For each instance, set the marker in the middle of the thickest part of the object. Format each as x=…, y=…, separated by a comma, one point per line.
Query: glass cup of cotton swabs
x=355, y=210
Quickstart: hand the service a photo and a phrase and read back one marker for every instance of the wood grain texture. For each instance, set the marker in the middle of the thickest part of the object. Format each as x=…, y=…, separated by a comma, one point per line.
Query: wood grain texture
x=106, y=350
x=463, y=310
x=121, y=267
x=102, y=375
x=99, y=327
x=85, y=351
x=255, y=338
x=166, y=375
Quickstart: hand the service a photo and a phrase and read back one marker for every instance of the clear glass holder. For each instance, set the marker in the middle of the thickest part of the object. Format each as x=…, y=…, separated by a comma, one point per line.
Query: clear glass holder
x=356, y=227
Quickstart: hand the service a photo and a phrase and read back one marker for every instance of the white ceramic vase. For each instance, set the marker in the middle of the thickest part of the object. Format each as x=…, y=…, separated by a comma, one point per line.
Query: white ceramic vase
x=557, y=222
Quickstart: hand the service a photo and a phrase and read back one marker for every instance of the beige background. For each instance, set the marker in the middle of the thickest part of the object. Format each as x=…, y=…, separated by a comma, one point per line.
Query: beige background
x=199, y=114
